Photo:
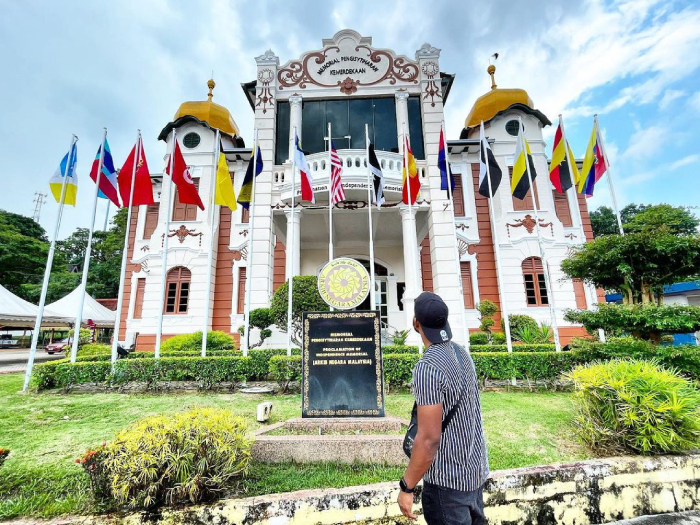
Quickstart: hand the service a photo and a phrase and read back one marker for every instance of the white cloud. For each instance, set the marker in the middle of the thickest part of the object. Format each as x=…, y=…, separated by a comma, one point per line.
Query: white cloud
x=646, y=142
x=690, y=159
x=669, y=96
x=694, y=101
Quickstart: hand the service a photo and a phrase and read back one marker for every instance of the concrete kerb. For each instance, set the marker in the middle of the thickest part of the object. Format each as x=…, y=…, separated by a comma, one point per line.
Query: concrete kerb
x=586, y=492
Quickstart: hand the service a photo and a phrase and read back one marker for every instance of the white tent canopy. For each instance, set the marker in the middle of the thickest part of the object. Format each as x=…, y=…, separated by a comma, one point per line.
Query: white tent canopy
x=15, y=312
x=92, y=310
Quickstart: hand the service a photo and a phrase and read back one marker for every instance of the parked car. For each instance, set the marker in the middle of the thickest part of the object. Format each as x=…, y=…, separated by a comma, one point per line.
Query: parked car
x=58, y=346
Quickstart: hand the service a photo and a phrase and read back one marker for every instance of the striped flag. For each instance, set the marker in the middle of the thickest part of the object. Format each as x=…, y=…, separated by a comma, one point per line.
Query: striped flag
x=377, y=177
x=108, y=178
x=520, y=183
x=337, y=191
x=486, y=156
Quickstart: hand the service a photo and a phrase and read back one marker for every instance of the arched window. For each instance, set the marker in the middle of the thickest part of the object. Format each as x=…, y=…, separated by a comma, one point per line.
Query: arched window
x=535, y=288
x=177, y=287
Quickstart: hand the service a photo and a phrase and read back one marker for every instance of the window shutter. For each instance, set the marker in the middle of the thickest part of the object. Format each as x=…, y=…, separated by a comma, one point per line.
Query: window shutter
x=241, y=289
x=467, y=287
x=458, y=196
x=245, y=215
x=561, y=207
x=151, y=220
x=279, y=268
x=138, y=302
x=426, y=266
x=178, y=208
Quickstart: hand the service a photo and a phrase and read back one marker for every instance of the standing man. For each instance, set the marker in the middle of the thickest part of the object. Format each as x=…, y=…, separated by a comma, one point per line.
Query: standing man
x=449, y=451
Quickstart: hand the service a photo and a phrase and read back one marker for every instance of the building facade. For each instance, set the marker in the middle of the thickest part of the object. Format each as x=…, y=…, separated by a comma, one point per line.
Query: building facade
x=350, y=84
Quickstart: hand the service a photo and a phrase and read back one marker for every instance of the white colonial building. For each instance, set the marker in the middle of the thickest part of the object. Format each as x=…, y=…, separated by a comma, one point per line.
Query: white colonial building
x=350, y=83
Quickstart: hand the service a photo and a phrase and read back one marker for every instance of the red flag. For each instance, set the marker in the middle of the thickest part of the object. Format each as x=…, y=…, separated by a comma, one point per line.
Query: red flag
x=143, y=190
x=187, y=192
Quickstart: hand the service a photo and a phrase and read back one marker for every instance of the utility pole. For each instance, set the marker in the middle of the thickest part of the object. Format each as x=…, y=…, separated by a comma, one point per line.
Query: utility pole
x=39, y=200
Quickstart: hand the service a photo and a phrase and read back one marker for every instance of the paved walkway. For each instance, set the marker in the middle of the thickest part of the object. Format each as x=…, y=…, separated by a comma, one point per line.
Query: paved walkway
x=15, y=359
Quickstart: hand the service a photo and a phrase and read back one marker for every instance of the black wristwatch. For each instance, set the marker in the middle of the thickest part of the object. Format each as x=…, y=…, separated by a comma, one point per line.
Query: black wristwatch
x=404, y=487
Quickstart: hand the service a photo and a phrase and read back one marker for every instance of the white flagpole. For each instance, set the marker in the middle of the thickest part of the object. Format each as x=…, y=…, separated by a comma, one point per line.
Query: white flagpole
x=412, y=241
x=610, y=182
x=47, y=269
x=106, y=215
x=290, y=247
x=164, y=252
x=249, y=260
x=465, y=329
x=88, y=251
x=372, y=290
x=210, y=255
x=593, y=299
x=125, y=251
x=330, y=197
x=496, y=248
x=545, y=265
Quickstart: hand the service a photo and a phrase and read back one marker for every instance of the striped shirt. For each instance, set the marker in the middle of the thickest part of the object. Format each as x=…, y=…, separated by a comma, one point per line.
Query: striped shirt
x=461, y=462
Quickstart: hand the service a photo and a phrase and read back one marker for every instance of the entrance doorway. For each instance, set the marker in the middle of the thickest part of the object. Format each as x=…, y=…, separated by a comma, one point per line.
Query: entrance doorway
x=381, y=295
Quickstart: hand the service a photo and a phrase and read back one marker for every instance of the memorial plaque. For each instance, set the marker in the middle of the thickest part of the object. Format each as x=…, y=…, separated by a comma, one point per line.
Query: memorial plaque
x=342, y=372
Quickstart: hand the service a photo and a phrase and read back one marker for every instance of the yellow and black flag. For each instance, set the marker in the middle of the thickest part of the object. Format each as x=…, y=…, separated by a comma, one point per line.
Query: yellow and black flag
x=520, y=183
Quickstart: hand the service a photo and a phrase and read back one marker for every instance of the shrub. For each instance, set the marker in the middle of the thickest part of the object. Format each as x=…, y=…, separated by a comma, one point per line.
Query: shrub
x=399, y=349
x=517, y=348
x=95, y=349
x=479, y=338
x=189, y=456
x=533, y=335
x=4, y=452
x=262, y=319
x=486, y=309
x=685, y=359
x=517, y=322
x=216, y=340
x=93, y=463
x=399, y=337
x=635, y=406
x=498, y=338
x=305, y=298
x=284, y=369
x=398, y=369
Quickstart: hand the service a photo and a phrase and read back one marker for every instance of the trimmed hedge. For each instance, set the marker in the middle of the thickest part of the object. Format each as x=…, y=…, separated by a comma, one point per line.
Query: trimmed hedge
x=207, y=370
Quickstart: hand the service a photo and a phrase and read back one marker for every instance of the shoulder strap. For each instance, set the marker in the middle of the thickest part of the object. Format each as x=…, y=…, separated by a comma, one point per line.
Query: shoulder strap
x=453, y=410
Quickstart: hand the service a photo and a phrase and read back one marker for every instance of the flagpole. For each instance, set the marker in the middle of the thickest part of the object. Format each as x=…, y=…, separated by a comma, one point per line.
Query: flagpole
x=545, y=265
x=47, y=268
x=107, y=215
x=125, y=251
x=330, y=198
x=496, y=250
x=610, y=182
x=249, y=265
x=164, y=252
x=210, y=255
x=571, y=162
x=465, y=329
x=372, y=291
x=88, y=251
x=290, y=247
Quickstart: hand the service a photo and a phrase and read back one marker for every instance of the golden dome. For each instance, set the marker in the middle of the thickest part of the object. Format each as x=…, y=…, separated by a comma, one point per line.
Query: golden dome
x=487, y=106
x=217, y=116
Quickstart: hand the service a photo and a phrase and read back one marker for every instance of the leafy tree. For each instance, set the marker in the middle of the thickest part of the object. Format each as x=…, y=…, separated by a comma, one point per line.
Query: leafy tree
x=487, y=309
x=637, y=264
x=61, y=284
x=647, y=322
x=677, y=220
x=262, y=319
x=305, y=298
x=604, y=222
x=23, y=225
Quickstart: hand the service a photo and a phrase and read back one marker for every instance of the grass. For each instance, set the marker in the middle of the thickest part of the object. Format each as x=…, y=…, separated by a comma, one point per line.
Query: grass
x=47, y=432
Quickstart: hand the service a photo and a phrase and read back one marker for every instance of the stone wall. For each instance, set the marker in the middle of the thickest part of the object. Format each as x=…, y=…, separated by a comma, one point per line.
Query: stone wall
x=596, y=491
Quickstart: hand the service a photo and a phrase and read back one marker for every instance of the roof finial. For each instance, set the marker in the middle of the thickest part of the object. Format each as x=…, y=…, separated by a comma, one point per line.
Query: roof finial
x=491, y=70
x=211, y=85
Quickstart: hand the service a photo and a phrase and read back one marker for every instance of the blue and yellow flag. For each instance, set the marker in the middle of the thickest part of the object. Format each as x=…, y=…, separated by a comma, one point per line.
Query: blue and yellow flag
x=56, y=183
x=245, y=196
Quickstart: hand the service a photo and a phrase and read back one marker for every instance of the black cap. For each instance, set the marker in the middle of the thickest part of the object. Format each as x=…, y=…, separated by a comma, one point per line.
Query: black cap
x=431, y=313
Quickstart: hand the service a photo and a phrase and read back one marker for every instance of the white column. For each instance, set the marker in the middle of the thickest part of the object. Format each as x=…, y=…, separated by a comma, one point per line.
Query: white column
x=401, y=115
x=293, y=267
x=294, y=120
x=410, y=248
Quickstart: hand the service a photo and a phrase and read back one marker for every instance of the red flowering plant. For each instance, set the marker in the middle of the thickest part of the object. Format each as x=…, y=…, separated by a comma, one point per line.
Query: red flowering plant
x=93, y=464
x=4, y=452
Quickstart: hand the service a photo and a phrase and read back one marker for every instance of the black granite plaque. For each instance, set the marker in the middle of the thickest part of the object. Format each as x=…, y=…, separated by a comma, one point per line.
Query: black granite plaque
x=342, y=365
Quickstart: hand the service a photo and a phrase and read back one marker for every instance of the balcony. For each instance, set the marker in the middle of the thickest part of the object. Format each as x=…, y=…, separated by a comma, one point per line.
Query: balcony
x=354, y=174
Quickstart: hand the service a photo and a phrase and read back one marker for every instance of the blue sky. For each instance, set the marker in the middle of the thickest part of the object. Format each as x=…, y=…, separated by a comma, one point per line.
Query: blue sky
x=74, y=67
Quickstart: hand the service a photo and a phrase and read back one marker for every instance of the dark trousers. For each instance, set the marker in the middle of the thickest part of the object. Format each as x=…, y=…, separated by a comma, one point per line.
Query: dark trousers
x=443, y=506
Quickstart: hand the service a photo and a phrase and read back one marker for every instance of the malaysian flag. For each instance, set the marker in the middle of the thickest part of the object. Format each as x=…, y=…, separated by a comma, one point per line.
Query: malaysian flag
x=337, y=191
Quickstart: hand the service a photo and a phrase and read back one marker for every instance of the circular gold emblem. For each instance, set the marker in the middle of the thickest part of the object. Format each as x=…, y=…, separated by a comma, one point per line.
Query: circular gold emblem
x=343, y=283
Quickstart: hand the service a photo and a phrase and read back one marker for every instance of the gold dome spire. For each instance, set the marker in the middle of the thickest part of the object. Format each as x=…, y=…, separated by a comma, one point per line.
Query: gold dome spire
x=217, y=116
x=496, y=100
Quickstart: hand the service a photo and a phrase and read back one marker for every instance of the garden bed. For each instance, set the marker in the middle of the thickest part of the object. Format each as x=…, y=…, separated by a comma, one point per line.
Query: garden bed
x=46, y=433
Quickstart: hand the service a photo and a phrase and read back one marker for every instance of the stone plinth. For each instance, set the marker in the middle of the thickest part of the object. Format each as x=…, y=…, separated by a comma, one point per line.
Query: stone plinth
x=381, y=424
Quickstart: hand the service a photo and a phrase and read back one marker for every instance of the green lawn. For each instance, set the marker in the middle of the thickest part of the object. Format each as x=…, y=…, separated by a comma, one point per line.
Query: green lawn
x=47, y=432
